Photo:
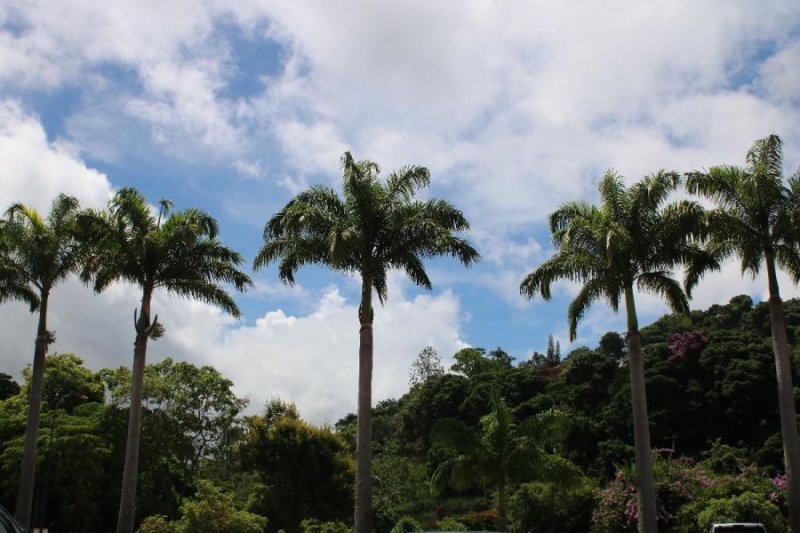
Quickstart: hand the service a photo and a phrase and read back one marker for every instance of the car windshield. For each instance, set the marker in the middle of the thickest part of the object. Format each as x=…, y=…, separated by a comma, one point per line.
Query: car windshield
x=744, y=528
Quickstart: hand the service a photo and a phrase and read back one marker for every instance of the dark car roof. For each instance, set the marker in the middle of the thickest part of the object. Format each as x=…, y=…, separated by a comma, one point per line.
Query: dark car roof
x=7, y=522
x=740, y=526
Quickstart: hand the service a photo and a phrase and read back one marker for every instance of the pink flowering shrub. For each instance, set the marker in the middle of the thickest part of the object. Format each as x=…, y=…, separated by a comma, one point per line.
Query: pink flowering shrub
x=678, y=481
x=687, y=345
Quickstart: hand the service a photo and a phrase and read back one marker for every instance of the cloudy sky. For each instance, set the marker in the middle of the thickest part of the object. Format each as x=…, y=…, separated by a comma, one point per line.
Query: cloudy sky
x=234, y=106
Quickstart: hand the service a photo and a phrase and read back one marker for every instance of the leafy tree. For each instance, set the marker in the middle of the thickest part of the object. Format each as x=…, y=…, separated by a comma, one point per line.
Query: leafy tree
x=67, y=382
x=748, y=507
x=37, y=253
x=183, y=400
x=277, y=409
x=306, y=471
x=612, y=344
x=200, y=401
x=74, y=447
x=178, y=253
x=377, y=226
x=547, y=508
x=475, y=361
x=401, y=488
x=8, y=387
x=432, y=401
x=756, y=220
x=427, y=365
x=501, y=452
x=631, y=241
x=211, y=509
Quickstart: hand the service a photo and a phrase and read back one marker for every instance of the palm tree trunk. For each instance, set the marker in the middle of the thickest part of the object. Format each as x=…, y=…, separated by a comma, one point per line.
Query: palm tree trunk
x=780, y=348
x=502, y=521
x=127, y=504
x=363, y=495
x=645, y=483
x=27, y=477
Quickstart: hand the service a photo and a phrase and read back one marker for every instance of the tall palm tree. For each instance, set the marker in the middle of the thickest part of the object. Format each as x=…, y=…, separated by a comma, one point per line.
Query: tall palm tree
x=37, y=253
x=755, y=220
x=377, y=226
x=179, y=254
x=631, y=241
x=501, y=452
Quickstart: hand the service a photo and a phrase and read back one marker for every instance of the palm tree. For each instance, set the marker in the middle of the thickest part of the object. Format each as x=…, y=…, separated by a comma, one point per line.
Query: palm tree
x=502, y=451
x=630, y=241
x=377, y=226
x=37, y=253
x=755, y=220
x=180, y=254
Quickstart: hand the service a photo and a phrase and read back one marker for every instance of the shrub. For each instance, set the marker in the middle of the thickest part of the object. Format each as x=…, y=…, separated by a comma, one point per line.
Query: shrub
x=450, y=524
x=214, y=510
x=747, y=507
x=480, y=520
x=678, y=482
x=156, y=524
x=405, y=525
x=540, y=507
x=312, y=525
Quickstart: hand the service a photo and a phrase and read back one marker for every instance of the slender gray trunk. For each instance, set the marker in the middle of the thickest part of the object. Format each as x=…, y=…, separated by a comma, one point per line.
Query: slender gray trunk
x=645, y=483
x=27, y=478
x=502, y=520
x=783, y=370
x=363, y=490
x=127, y=503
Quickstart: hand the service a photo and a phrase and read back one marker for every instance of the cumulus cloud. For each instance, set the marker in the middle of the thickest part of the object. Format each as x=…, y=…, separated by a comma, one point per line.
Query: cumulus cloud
x=310, y=359
x=313, y=359
x=514, y=108
x=36, y=169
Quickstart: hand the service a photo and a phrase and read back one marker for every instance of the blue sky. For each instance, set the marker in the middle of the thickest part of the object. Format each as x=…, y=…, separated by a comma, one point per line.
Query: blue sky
x=235, y=106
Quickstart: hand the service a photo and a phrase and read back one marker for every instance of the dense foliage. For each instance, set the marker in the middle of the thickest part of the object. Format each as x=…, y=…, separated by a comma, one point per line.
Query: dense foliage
x=715, y=430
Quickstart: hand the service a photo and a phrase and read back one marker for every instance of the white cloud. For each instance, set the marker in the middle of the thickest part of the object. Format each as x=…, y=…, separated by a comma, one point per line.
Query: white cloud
x=313, y=359
x=309, y=359
x=779, y=75
x=181, y=101
x=35, y=169
x=514, y=108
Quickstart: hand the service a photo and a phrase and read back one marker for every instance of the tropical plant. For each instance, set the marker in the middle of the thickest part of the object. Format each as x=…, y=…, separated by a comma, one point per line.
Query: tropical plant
x=501, y=452
x=180, y=254
x=376, y=227
x=756, y=220
x=305, y=471
x=631, y=241
x=36, y=254
x=212, y=509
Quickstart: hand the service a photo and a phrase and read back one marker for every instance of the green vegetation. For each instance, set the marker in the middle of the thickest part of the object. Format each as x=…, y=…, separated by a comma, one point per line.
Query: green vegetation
x=631, y=241
x=550, y=444
x=715, y=430
x=38, y=253
x=376, y=227
x=756, y=219
x=179, y=254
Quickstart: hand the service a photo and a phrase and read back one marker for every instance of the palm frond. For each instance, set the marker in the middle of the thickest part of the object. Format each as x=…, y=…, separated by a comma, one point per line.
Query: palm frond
x=664, y=285
x=592, y=290
x=612, y=195
x=402, y=184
